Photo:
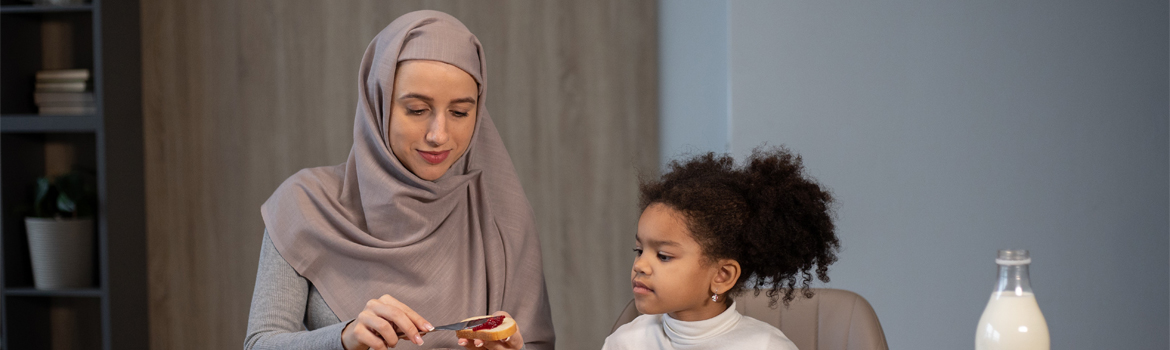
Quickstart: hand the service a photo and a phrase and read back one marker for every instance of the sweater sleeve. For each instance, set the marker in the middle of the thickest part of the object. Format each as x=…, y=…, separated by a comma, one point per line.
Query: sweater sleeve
x=276, y=319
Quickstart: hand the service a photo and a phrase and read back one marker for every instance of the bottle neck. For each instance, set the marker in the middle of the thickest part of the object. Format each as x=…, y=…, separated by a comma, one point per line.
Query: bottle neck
x=1013, y=279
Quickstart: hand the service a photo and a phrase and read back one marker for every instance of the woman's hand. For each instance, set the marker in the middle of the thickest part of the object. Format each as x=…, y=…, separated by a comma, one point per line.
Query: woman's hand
x=375, y=326
x=516, y=341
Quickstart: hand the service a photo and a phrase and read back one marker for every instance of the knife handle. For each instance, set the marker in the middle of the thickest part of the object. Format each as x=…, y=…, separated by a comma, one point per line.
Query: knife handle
x=403, y=335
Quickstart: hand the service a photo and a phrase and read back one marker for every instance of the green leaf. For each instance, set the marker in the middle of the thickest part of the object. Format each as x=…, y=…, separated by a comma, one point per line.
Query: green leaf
x=42, y=192
x=66, y=204
x=75, y=195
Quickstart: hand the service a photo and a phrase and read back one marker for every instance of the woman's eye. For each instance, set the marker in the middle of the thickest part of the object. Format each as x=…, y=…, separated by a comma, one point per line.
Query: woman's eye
x=459, y=114
x=638, y=251
x=664, y=258
x=416, y=111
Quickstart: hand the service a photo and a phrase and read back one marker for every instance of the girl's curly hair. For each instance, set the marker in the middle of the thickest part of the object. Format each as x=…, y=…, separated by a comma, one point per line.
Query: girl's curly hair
x=767, y=215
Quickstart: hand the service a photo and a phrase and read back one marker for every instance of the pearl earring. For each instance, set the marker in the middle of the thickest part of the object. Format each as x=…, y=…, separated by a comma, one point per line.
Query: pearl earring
x=715, y=297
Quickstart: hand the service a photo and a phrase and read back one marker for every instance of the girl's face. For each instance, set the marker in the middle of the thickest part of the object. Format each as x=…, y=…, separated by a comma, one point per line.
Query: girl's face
x=432, y=116
x=670, y=273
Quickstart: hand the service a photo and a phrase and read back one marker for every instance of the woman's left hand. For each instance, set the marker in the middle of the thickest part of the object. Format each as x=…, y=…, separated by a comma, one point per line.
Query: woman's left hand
x=516, y=341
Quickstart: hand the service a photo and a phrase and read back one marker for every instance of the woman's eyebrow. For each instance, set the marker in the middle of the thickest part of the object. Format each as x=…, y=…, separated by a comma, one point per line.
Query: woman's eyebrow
x=470, y=100
x=428, y=99
x=416, y=96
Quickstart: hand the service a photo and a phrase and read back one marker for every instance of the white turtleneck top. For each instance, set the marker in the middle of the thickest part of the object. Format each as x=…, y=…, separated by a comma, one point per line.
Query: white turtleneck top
x=728, y=330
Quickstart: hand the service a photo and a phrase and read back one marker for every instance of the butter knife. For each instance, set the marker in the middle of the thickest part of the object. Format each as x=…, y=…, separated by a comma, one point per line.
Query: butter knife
x=451, y=327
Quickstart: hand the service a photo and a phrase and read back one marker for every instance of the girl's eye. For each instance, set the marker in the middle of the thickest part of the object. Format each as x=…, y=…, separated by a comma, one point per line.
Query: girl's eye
x=638, y=251
x=664, y=258
x=459, y=114
x=416, y=111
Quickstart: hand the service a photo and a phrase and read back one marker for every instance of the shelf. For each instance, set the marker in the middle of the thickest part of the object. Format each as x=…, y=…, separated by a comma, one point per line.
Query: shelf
x=45, y=8
x=58, y=323
x=32, y=292
x=31, y=123
x=104, y=37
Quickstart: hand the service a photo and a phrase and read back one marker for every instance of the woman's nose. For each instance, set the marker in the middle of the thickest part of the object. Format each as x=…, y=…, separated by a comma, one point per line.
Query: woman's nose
x=437, y=131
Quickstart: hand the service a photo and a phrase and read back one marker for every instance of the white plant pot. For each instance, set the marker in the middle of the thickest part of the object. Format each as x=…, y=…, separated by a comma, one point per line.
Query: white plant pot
x=61, y=252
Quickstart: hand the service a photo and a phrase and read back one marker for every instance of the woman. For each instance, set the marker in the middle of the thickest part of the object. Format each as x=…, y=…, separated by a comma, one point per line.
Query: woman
x=425, y=224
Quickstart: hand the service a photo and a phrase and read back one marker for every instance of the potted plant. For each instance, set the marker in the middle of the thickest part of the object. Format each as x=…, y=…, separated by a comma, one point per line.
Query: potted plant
x=60, y=231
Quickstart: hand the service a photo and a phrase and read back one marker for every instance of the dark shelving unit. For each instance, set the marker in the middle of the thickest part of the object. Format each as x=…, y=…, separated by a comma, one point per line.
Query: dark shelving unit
x=103, y=37
x=48, y=123
x=45, y=9
x=32, y=292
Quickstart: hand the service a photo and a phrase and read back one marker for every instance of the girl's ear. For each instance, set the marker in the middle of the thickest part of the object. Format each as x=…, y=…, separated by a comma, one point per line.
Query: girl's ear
x=726, y=276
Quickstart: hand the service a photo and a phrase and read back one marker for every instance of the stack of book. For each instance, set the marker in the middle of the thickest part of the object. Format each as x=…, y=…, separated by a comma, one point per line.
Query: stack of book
x=64, y=92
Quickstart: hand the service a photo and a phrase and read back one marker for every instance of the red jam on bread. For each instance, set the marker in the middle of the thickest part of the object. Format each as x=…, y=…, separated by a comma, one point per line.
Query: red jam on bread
x=496, y=328
x=492, y=322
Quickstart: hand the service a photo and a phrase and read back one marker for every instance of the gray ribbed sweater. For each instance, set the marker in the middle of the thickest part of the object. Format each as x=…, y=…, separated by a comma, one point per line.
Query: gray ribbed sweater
x=287, y=311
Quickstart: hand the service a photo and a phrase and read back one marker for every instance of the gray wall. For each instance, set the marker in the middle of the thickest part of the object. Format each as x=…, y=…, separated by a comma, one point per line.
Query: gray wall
x=950, y=129
x=692, y=79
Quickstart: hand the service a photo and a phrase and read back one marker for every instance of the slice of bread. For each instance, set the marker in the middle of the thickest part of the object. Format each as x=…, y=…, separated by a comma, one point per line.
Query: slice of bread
x=505, y=329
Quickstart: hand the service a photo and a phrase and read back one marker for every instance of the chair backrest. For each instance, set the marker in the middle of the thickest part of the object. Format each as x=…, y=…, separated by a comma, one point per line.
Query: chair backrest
x=832, y=319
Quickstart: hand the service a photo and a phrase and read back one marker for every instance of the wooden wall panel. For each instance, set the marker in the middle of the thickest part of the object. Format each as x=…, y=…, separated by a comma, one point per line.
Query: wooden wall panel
x=241, y=94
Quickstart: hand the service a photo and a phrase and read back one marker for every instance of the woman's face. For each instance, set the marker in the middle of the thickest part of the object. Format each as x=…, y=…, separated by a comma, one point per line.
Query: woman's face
x=432, y=116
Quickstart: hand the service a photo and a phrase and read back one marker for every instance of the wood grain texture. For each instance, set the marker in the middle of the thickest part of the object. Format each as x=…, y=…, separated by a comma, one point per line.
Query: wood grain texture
x=238, y=95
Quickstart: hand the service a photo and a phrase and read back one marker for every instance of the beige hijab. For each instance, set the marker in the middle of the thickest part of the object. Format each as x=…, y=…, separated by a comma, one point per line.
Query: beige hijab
x=461, y=246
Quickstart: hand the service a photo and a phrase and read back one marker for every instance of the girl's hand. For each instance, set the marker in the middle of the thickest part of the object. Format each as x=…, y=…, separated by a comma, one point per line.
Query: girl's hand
x=516, y=341
x=375, y=326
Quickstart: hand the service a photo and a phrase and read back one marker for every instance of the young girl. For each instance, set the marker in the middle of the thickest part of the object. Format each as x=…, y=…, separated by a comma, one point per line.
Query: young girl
x=710, y=231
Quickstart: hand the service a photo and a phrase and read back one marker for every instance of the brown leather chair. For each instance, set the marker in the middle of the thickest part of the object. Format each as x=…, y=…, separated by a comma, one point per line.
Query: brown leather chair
x=832, y=319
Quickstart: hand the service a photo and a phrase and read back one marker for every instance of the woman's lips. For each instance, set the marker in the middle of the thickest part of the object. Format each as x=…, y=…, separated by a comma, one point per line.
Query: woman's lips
x=434, y=157
x=640, y=288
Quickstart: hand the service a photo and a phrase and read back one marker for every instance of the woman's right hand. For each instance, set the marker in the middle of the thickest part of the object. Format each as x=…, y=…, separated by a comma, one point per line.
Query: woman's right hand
x=375, y=326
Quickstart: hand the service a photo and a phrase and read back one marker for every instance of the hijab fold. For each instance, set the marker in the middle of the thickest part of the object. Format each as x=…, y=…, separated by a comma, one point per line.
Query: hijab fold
x=460, y=246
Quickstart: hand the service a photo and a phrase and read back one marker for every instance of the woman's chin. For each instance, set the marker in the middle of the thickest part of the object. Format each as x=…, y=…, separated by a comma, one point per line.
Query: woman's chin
x=430, y=172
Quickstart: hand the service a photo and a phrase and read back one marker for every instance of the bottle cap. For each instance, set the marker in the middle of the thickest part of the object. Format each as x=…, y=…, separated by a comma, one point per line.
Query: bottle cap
x=1013, y=257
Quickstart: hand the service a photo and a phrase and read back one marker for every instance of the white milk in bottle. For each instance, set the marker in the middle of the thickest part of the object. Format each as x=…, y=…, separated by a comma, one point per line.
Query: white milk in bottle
x=1012, y=319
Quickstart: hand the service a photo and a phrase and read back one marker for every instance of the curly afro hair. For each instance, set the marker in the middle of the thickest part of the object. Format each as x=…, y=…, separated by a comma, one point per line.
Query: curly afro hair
x=767, y=215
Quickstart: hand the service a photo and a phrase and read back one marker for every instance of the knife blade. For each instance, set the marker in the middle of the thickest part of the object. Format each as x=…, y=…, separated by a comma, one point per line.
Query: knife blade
x=461, y=325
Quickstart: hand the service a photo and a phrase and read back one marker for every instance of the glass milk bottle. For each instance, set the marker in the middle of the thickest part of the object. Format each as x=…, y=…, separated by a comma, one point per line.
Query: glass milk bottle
x=1012, y=319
